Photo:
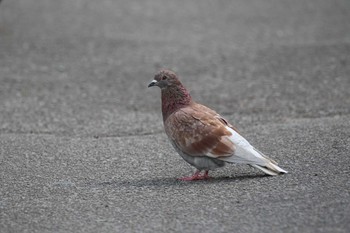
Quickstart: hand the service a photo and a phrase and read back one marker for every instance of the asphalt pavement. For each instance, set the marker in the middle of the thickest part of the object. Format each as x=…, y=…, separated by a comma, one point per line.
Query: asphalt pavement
x=82, y=146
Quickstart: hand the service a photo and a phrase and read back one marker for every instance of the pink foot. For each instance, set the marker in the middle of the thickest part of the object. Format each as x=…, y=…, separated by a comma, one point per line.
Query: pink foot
x=196, y=176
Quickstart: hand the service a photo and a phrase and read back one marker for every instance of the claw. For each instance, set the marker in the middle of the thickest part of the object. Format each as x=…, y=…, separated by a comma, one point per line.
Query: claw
x=196, y=176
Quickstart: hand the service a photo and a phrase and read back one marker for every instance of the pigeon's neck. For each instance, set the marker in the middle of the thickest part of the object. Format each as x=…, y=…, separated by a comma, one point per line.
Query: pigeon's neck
x=174, y=98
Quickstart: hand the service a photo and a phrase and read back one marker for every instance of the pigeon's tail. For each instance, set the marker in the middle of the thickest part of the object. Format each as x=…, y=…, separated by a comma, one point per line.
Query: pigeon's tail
x=270, y=167
x=245, y=153
x=256, y=159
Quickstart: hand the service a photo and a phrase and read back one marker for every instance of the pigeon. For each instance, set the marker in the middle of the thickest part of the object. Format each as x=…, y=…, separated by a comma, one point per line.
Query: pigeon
x=201, y=136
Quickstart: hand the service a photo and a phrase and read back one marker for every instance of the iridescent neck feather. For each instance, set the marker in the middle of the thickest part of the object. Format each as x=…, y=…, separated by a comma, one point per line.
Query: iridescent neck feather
x=174, y=98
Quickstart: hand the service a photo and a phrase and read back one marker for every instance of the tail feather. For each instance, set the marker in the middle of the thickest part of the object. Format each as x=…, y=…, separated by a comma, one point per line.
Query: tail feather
x=271, y=160
x=270, y=169
x=257, y=159
x=246, y=154
x=265, y=170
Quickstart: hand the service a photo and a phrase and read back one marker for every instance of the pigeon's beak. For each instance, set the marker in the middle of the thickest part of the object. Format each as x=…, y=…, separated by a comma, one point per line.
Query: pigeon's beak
x=153, y=83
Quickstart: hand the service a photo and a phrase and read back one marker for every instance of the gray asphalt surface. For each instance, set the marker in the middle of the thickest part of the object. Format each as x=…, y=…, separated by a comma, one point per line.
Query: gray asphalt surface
x=82, y=148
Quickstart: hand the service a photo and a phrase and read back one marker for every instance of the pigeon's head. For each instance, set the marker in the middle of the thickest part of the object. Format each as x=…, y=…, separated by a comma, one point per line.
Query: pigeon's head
x=164, y=79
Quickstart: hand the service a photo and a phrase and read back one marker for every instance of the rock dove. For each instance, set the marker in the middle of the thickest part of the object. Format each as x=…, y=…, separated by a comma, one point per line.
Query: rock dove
x=200, y=135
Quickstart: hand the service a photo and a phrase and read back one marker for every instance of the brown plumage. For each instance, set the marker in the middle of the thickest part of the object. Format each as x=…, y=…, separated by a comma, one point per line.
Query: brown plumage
x=200, y=135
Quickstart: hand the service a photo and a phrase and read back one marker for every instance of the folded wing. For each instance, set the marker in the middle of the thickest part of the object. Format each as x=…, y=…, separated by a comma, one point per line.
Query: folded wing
x=200, y=131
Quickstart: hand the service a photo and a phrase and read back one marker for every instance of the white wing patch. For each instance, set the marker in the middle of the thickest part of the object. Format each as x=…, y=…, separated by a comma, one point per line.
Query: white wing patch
x=245, y=152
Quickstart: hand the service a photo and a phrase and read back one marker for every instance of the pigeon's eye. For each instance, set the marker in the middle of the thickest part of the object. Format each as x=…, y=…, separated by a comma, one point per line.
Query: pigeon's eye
x=164, y=77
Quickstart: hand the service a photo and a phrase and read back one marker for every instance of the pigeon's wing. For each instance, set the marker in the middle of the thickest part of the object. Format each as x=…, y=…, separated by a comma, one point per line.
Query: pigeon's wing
x=200, y=131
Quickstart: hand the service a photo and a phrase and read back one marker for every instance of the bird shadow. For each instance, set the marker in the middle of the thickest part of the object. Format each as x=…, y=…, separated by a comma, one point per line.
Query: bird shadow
x=167, y=182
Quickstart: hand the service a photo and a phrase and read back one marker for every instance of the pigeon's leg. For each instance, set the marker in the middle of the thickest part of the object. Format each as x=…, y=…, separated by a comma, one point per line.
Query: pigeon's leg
x=206, y=176
x=196, y=176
